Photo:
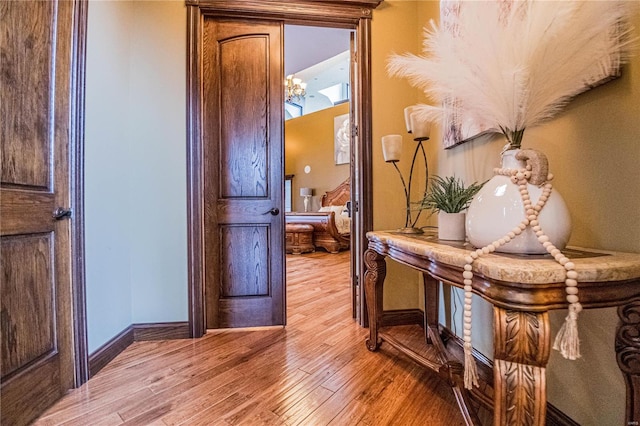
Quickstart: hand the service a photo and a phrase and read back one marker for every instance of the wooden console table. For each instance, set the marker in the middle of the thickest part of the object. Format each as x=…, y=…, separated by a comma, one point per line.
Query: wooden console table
x=522, y=289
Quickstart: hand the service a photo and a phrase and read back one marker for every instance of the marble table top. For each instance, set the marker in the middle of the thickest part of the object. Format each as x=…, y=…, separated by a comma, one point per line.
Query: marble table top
x=592, y=265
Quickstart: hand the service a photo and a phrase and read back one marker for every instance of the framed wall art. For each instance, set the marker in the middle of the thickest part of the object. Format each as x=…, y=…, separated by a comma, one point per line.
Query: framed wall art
x=458, y=129
x=342, y=139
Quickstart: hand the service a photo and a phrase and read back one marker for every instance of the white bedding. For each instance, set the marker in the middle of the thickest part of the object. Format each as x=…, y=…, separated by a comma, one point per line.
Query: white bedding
x=342, y=219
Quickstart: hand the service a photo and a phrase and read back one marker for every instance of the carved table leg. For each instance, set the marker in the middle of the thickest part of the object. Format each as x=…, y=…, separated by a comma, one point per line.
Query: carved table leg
x=628, y=355
x=374, y=274
x=522, y=345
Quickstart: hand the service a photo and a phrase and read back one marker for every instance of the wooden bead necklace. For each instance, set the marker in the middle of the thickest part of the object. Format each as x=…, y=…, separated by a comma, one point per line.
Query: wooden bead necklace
x=566, y=341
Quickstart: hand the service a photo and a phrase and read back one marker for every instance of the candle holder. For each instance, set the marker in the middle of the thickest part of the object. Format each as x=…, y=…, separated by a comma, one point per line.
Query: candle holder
x=392, y=145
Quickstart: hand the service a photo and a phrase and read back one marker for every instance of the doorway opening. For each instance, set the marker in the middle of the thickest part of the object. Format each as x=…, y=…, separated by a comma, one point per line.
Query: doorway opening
x=317, y=141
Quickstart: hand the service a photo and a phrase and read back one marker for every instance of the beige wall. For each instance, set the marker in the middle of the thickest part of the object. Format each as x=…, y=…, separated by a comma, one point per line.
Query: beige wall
x=592, y=147
x=309, y=142
x=135, y=166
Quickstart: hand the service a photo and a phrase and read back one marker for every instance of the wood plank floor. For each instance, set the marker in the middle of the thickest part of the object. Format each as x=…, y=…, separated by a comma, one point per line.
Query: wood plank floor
x=314, y=371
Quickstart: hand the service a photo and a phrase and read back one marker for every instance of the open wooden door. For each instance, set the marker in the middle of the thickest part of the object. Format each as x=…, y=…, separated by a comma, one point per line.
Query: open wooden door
x=228, y=235
x=243, y=147
x=36, y=119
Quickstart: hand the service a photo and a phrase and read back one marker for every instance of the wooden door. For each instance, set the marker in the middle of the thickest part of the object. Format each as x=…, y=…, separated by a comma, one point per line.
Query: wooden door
x=37, y=364
x=243, y=173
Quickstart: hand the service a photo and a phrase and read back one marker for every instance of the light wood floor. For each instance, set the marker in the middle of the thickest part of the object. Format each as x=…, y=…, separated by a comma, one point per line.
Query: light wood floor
x=314, y=371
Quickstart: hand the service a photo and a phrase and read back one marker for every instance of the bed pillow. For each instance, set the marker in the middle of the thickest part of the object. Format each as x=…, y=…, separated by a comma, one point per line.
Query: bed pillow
x=336, y=209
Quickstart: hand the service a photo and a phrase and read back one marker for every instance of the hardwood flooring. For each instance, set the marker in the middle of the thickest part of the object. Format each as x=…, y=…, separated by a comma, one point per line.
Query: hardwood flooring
x=314, y=371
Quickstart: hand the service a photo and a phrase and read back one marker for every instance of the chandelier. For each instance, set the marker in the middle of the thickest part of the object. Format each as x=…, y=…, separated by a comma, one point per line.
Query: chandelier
x=294, y=88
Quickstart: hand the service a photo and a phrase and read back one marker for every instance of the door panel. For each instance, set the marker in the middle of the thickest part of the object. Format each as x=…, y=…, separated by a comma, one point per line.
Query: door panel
x=244, y=116
x=27, y=300
x=29, y=116
x=248, y=277
x=243, y=181
x=35, y=290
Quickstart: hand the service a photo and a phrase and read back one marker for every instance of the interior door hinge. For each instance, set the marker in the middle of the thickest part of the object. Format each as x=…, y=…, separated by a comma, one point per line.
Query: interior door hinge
x=354, y=130
x=355, y=206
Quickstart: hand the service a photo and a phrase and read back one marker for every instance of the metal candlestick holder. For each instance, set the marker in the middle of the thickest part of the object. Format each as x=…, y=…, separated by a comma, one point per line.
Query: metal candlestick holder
x=410, y=222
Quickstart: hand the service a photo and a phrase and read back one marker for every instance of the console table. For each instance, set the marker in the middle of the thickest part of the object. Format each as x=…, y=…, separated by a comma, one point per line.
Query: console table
x=522, y=289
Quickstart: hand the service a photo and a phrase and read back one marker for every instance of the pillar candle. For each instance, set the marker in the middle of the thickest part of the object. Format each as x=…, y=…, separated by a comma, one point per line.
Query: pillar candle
x=407, y=117
x=420, y=128
x=391, y=147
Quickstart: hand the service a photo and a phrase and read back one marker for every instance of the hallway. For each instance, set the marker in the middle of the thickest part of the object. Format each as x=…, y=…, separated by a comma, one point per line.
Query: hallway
x=315, y=371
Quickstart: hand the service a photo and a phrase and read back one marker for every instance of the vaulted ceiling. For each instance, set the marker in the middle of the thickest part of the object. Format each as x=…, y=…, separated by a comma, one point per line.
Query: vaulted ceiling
x=317, y=56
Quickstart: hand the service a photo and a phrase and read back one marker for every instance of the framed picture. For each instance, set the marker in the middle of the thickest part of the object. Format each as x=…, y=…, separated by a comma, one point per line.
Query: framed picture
x=457, y=129
x=342, y=139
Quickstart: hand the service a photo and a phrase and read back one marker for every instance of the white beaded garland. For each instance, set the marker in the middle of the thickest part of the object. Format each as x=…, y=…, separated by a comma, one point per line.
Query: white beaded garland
x=566, y=341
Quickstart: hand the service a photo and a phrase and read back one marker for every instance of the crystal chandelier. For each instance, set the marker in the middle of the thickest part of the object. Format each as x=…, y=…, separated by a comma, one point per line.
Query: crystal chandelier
x=294, y=88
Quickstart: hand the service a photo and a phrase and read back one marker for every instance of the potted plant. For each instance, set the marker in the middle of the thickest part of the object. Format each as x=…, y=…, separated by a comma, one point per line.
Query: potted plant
x=449, y=197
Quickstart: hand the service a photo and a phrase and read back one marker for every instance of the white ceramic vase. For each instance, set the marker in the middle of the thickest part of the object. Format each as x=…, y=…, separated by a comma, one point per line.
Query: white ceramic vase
x=498, y=208
x=451, y=226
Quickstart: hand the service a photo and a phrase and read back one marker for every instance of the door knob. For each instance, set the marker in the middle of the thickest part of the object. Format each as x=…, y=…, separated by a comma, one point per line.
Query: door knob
x=274, y=211
x=61, y=213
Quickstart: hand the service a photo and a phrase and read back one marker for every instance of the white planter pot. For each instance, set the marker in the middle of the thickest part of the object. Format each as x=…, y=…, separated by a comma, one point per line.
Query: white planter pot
x=451, y=226
x=498, y=208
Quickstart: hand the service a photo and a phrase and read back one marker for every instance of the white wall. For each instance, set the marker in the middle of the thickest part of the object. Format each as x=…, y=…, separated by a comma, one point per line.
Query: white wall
x=158, y=146
x=107, y=172
x=135, y=166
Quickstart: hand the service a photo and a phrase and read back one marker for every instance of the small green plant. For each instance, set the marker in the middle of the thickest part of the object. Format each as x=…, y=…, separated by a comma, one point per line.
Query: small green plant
x=449, y=195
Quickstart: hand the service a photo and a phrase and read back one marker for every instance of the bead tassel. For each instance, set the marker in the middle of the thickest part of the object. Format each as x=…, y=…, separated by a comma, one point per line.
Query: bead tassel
x=470, y=370
x=567, y=341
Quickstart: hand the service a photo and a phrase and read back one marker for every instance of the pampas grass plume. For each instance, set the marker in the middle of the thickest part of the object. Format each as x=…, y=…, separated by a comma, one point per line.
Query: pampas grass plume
x=516, y=64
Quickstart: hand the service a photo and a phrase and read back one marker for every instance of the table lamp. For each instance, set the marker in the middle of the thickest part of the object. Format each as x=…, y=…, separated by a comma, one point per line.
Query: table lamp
x=307, y=193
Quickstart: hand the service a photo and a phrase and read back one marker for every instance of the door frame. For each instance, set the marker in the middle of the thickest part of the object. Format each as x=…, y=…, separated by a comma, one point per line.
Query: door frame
x=349, y=14
x=76, y=181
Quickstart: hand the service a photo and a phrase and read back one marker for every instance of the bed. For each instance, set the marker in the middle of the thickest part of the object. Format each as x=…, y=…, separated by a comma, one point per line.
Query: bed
x=332, y=224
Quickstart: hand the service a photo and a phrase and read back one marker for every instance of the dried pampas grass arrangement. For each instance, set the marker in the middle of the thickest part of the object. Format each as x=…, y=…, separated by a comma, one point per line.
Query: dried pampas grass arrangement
x=512, y=65
x=515, y=64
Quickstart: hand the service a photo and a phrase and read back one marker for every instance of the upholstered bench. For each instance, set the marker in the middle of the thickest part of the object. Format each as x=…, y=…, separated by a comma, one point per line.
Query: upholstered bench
x=299, y=238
